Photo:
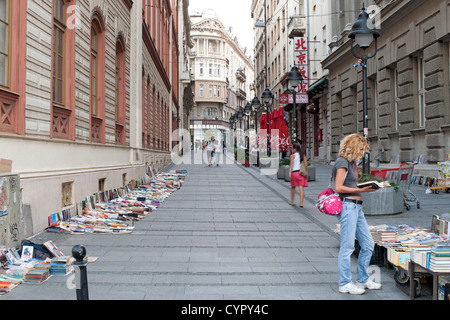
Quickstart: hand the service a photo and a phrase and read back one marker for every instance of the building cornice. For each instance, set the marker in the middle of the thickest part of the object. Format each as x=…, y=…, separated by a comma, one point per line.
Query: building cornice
x=154, y=54
x=128, y=3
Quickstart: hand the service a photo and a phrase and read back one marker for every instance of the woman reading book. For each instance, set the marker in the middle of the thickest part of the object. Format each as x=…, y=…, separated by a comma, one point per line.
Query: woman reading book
x=352, y=220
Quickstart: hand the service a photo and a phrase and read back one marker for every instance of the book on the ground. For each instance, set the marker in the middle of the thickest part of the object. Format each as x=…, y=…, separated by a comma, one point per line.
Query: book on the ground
x=53, y=249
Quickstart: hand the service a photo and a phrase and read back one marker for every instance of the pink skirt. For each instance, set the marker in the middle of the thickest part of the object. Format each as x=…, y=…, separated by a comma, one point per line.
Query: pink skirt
x=297, y=180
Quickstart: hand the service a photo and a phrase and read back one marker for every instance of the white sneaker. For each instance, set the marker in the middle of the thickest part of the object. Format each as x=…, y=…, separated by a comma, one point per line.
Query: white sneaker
x=351, y=288
x=370, y=284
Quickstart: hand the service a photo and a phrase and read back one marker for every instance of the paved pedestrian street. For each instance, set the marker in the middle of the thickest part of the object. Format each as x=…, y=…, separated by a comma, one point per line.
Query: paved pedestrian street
x=227, y=234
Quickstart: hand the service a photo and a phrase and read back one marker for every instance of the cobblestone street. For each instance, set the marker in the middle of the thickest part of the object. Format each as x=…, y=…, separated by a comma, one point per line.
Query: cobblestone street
x=228, y=233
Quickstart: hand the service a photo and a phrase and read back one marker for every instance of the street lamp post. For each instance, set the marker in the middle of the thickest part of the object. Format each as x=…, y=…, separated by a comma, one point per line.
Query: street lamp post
x=232, y=133
x=233, y=121
x=248, y=113
x=363, y=33
x=240, y=116
x=267, y=98
x=256, y=104
x=293, y=80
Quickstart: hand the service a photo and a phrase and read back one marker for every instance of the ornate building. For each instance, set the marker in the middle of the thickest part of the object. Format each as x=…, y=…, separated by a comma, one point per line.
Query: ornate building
x=223, y=76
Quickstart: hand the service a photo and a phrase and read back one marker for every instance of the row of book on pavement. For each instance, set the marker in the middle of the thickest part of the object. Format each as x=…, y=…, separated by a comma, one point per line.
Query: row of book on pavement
x=116, y=211
x=32, y=263
x=113, y=211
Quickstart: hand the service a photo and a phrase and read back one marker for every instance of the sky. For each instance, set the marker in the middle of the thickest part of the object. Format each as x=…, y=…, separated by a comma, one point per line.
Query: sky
x=235, y=13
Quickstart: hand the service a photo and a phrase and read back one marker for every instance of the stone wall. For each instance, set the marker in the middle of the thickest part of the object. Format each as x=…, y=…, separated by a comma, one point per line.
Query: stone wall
x=15, y=221
x=421, y=34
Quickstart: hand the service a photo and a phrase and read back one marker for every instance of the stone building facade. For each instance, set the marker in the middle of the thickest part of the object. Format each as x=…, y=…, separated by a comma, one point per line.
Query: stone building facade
x=408, y=84
x=89, y=96
x=277, y=24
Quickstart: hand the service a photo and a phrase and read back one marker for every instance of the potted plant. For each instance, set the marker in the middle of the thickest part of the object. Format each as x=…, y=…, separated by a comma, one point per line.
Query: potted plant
x=311, y=172
x=384, y=201
x=247, y=160
x=284, y=163
x=269, y=165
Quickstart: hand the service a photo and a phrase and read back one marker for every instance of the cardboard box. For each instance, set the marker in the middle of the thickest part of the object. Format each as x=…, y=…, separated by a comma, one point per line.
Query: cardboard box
x=5, y=166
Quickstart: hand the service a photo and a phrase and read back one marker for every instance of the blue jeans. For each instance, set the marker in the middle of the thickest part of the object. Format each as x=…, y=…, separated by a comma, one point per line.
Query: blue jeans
x=354, y=225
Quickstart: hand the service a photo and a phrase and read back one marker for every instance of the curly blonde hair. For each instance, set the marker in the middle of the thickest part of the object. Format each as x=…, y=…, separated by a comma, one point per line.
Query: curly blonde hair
x=353, y=147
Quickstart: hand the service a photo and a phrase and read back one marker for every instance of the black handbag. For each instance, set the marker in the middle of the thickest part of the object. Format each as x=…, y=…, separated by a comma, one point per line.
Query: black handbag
x=39, y=252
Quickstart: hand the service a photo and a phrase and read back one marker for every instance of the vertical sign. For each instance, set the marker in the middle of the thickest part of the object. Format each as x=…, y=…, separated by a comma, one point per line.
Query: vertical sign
x=301, y=60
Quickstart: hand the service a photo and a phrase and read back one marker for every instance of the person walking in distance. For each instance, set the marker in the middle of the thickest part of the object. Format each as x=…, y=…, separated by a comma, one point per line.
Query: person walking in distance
x=297, y=180
x=197, y=145
x=217, y=151
x=352, y=220
x=210, y=151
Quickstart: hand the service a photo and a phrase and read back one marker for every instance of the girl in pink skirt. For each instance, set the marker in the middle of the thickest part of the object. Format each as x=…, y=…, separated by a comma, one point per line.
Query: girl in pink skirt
x=297, y=180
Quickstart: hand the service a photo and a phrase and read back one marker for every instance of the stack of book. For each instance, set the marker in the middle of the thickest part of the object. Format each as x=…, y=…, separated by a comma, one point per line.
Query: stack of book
x=421, y=256
x=398, y=256
x=8, y=283
x=387, y=236
x=62, y=265
x=440, y=259
x=38, y=274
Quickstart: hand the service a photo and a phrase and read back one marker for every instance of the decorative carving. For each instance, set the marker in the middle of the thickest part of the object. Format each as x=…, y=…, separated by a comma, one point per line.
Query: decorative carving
x=67, y=194
x=119, y=134
x=60, y=123
x=6, y=114
x=96, y=126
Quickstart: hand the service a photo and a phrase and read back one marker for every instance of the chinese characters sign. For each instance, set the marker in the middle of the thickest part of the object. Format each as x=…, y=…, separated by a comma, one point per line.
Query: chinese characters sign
x=301, y=60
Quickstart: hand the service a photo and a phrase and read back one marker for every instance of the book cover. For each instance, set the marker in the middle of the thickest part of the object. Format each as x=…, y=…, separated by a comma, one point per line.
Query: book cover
x=435, y=224
x=53, y=249
x=27, y=252
x=53, y=219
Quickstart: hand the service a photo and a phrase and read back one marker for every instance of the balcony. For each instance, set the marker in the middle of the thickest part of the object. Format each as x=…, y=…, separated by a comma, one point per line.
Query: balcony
x=296, y=26
x=240, y=75
x=241, y=94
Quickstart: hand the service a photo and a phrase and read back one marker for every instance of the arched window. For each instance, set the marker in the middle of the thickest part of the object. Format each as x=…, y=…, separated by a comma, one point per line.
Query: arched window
x=94, y=72
x=120, y=91
x=59, y=28
x=63, y=67
x=143, y=108
x=5, y=42
x=12, y=66
x=97, y=77
x=154, y=117
x=148, y=113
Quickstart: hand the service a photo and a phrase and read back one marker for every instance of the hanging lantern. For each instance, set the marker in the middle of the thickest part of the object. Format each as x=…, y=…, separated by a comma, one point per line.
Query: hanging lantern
x=312, y=108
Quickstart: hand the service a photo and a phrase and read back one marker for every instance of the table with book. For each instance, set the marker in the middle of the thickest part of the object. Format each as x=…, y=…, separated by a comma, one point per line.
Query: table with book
x=415, y=252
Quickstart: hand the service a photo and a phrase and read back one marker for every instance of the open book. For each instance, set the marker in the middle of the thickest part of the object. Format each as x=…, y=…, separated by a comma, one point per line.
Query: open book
x=374, y=184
